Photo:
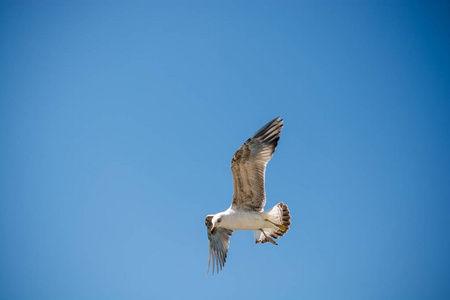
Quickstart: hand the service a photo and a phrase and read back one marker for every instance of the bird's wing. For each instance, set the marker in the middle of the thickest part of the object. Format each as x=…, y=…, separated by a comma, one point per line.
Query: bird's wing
x=249, y=166
x=218, y=245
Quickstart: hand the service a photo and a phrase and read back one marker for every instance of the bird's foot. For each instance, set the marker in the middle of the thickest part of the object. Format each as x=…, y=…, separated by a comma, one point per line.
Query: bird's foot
x=268, y=238
x=282, y=227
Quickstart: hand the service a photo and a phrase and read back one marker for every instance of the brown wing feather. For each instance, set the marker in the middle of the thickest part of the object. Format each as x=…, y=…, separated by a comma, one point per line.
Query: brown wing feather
x=218, y=245
x=249, y=166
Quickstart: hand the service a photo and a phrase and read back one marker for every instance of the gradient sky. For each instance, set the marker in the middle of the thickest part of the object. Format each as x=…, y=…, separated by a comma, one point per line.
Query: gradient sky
x=118, y=122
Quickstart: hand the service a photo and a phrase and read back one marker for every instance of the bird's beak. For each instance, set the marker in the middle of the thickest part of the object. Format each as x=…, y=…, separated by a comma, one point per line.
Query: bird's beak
x=213, y=230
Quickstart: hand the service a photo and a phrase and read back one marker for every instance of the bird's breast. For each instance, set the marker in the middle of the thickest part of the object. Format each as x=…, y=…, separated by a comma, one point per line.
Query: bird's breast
x=244, y=220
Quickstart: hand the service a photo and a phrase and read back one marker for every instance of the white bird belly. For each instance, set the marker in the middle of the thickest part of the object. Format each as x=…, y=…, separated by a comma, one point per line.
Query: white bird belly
x=244, y=220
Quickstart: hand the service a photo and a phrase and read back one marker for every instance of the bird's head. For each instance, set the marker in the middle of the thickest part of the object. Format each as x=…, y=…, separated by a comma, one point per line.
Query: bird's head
x=216, y=220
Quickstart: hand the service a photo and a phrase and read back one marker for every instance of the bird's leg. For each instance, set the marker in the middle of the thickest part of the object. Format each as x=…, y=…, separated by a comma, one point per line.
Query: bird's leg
x=282, y=227
x=268, y=237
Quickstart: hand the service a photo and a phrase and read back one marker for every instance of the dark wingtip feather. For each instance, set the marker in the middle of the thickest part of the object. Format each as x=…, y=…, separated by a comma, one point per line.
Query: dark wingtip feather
x=270, y=133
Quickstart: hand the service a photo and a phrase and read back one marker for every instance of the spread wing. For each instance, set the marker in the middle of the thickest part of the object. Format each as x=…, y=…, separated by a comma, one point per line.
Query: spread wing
x=218, y=245
x=249, y=166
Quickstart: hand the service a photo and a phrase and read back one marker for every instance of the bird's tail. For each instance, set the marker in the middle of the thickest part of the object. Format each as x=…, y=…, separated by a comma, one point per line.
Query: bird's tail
x=278, y=220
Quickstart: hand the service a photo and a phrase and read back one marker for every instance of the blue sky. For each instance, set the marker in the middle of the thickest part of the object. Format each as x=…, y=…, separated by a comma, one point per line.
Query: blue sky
x=118, y=122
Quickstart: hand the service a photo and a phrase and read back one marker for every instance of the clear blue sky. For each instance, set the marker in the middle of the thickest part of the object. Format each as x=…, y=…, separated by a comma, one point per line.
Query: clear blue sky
x=118, y=123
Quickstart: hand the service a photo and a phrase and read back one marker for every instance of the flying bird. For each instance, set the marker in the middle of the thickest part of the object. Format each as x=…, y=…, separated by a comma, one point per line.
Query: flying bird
x=247, y=208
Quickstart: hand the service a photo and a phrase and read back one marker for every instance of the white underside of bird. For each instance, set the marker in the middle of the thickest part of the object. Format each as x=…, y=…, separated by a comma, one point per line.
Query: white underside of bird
x=248, y=220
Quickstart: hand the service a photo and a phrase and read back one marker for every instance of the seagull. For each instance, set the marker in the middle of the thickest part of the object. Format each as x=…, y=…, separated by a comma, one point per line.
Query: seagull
x=247, y=208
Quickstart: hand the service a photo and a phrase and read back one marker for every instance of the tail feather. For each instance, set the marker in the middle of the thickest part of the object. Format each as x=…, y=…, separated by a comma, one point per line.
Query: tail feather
x=279, y=220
